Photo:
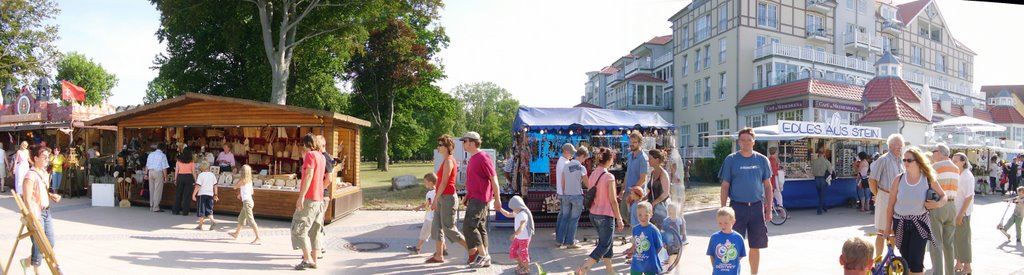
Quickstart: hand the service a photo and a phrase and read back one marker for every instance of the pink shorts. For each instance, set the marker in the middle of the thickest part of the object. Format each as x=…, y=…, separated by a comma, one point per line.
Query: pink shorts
x=520, y=250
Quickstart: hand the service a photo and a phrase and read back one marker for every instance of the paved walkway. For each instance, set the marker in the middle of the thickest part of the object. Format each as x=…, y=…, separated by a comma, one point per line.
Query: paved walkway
x=94, y=240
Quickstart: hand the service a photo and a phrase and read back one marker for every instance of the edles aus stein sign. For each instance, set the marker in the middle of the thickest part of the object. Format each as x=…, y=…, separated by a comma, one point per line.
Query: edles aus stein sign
x=833, y=129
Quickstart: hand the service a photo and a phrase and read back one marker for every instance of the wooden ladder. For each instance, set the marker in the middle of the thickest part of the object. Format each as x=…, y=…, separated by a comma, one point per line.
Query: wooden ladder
x=30, y=227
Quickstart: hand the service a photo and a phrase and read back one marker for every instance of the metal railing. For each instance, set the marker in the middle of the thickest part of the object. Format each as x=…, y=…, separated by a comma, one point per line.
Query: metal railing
x=613, y=77
x=894, y=25
x=801, y=53
x=862, y=39
x=663, y=59
x=821, y=33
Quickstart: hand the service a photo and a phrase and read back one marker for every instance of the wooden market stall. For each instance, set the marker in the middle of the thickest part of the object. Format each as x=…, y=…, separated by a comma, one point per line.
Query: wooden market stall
x=266, y=136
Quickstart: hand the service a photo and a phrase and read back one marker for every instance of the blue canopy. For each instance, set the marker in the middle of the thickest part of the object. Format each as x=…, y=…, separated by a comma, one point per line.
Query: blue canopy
x=586, y=118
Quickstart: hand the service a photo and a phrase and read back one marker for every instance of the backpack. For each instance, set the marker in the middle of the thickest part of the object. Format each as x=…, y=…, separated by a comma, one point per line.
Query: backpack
x=588, y=197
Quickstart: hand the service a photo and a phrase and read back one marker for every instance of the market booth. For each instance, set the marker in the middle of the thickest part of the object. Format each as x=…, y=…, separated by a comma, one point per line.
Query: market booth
x=799, y=143
x=538, y=135
x=265, y=136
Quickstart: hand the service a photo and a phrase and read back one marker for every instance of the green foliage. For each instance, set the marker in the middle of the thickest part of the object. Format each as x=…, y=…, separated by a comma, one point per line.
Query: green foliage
x=27, y=39
x=707, y=168
x=489, y=110
x=85, y=73
x=722, y=149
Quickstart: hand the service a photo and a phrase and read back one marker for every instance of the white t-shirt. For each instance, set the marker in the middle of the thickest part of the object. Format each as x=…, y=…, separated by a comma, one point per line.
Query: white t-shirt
x=430, y=199
x=206, y=182
x=521, y=219
x=559, y=168
x=965, y=189
x=246, y=191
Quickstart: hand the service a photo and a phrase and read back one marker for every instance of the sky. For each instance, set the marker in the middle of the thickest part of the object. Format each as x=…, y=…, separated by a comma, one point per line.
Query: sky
x=539, y=51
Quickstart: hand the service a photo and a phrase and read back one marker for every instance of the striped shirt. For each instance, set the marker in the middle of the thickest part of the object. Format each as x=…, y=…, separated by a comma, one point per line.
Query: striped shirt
x=948, y=176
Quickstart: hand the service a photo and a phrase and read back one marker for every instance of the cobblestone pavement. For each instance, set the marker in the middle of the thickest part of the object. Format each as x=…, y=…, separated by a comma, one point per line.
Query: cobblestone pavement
x=96, y=240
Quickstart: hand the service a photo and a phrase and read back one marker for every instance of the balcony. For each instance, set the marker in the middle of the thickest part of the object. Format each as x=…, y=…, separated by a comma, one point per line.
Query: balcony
x=893, y=27
x=612, y=78
x=822, y=6
x=663, y=59
x=819, y=35
x=800, y=53
x=639, y=64
x=860, y=41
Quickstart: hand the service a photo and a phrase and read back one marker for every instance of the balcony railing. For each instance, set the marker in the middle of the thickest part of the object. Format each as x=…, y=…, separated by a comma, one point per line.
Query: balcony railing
x=942, y=84
x=639, y=64
x=614, y=77
x=819, y=34
x=801, y=53
x=697, y=152
x=862, y=40
x=823, y=6
x=892, y=27
x=663, y=59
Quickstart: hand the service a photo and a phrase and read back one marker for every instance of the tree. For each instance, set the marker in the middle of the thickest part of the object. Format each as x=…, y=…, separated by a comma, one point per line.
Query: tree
x=388, y=72
x=489, y=111
x=82, y=71
x=26, y=40
x=157, y=90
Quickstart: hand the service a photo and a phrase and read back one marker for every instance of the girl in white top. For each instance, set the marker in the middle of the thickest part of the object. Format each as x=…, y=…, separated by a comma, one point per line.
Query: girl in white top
x=244, y=186
x=21, y=166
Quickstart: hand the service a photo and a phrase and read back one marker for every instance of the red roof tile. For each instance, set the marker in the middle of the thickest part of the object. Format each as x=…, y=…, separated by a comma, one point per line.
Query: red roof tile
x=802, y=87
x=892, y=110
x=1006, y=114
x=907, y=11
x=609, y=70
x=982, y=115
x=645, y=78
x=957, y=110
x=991, y=90
x=883, y=88
x=660, y=40
x=630, y=56
x=587, y=105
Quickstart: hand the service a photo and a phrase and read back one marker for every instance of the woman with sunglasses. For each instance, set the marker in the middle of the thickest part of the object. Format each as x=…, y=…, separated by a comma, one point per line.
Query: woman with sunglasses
x=908, y=208
x=444, y=206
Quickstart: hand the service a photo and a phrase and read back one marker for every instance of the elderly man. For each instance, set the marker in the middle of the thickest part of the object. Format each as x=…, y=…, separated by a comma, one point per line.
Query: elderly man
x=943, y=214
x=156, y=170
x=746, y=178
x=883, y=172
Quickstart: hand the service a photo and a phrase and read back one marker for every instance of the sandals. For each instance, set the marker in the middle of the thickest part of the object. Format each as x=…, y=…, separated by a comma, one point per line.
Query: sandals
x=256, y=242
x=304, y=265
x=433, y=260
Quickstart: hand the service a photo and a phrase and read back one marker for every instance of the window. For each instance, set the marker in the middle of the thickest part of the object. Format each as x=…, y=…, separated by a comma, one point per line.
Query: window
x=862, y=6
x=703, y=28
x=849, y=4
x=963, y=70
x=686, y=37
x=795, y=115
x=915, y=55
x=825, y=116
x=721, y=51
x=761, y=40
x=647, y=95
x=696, y=62
x=815, y=25
x=757, y=120
x=685, y=64
x=723, y=18
x=666, y=97
x=685, y=97
x=707, y=89
x=940, y=62
x=760, y=77
x=684, y=135
x=707, y=56
x=696, y=93
x=702, y=134
x=723, y=127
x=767, y=14
x=721, y=87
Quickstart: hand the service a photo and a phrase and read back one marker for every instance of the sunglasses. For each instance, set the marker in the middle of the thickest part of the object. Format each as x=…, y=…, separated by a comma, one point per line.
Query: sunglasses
x=909, y=160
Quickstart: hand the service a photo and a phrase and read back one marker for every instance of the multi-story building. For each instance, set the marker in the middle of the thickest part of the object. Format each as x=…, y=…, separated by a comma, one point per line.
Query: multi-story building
x=724, y=49
x=641, y=80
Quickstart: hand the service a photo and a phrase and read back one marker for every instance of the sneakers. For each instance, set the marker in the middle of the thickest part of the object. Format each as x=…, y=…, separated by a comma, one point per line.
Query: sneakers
x=481, y=261
x=412, y=249
x=1004, y=233
x=304, y=265
x=572, y=246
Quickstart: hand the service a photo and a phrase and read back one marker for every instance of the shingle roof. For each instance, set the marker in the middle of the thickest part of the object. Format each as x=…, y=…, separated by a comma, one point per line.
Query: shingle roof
x=660, y=40
x=1006, y=114
x=887, y=58
x=885, y=87
x=609, y=70
x=983, y=115
x=802, y=87
x=907, y=11
x=587, y=105
x=892, y=110
x=645, y=78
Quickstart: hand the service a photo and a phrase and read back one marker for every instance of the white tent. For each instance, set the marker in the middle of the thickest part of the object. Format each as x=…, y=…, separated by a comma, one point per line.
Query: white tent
x=973, y=124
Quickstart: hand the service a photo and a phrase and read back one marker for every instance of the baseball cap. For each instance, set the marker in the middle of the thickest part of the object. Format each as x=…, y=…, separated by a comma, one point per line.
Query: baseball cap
x=471, y=135
x=568, y=147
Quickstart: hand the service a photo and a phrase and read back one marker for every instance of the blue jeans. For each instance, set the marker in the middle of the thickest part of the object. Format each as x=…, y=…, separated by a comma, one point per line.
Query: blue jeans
x=633, y=221
x=821, y=186
x=56, y=180
x=604, y=225
x=864, y=193
x=569, y=219
x=47, y=223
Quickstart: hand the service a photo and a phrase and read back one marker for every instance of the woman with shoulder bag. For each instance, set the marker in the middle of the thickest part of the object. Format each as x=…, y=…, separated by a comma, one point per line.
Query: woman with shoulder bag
x=907, y=212
x=604, y=212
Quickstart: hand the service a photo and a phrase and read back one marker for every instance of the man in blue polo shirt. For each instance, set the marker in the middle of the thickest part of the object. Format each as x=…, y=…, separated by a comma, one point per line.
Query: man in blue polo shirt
x=636, y=173
x=746, y=177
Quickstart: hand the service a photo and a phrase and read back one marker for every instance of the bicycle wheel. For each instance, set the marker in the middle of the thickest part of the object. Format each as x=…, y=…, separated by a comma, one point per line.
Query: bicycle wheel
x=779, y=215
x=673, y=260
x=897, y=266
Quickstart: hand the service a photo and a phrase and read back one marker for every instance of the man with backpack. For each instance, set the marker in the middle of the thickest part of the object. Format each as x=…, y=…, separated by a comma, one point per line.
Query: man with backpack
x=573, y=177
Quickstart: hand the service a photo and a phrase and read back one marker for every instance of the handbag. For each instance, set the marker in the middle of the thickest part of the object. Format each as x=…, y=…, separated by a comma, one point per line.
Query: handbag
x=588, y=197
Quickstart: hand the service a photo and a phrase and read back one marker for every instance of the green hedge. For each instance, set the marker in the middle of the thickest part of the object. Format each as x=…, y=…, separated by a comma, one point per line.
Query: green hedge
x=707, y=169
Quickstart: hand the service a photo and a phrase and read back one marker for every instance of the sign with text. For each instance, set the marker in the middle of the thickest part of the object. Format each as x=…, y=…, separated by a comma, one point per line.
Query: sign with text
x=30, y=117
x=821, y=104
x=833, y=129
x=785, y=106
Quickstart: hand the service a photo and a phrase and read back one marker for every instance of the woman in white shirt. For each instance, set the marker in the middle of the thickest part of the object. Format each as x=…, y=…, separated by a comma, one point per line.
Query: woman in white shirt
x=994, y=174
x=964, y=203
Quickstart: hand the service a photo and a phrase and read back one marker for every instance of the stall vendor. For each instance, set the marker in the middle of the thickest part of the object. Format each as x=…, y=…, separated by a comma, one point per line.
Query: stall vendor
x=226, y=159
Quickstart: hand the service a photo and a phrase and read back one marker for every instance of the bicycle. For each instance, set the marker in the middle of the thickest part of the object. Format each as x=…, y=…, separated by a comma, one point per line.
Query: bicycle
x=673, y=259
x=779, y=214
x=890, y=263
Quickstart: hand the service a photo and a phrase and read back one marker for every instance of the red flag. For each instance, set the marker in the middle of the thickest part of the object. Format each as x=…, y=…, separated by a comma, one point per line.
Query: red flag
x=71, y=91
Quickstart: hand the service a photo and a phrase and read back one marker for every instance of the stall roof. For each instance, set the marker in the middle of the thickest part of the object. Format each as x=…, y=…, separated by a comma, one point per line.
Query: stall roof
x=588, y=118
x=189, y=98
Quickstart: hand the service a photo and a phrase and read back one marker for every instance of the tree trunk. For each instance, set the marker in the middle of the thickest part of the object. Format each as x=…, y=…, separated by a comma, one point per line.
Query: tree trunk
x=279, y=82
x=382, y=160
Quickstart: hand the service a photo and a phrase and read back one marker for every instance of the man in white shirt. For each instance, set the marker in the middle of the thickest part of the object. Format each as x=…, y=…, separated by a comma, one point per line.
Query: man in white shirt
x=567, y=151
x=3, y=169
x=156, y=169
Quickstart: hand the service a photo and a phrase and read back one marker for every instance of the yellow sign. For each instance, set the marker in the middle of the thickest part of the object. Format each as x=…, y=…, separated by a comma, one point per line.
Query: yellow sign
x=31, y=117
